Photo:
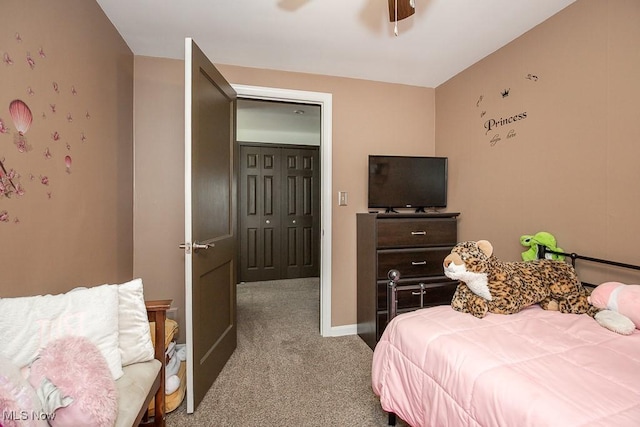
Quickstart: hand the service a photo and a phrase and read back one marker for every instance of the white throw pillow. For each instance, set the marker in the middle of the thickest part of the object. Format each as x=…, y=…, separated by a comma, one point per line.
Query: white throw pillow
x=29, y=323
x=134, y=335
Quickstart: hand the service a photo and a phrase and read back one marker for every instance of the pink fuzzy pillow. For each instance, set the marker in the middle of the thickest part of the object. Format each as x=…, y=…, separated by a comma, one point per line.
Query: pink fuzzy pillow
x=75, y=366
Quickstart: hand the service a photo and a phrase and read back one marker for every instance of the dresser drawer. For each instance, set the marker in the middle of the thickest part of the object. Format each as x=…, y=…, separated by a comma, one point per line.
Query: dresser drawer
x=415, y=232
x=416, y=245
x=412, y=262
x=435, y=291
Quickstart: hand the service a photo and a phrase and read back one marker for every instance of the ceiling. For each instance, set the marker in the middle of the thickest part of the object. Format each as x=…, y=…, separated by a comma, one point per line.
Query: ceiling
x=281, y=122
x=345, y=38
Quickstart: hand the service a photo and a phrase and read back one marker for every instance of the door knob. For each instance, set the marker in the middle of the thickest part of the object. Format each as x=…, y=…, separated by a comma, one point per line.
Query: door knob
x=268, y=222
x=197, y=245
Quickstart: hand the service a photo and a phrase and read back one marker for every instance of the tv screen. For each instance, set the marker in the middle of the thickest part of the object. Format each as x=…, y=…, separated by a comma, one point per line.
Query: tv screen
x=407, y=182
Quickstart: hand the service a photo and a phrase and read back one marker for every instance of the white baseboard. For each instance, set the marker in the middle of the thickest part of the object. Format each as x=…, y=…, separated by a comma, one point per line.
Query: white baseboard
x=339, y=331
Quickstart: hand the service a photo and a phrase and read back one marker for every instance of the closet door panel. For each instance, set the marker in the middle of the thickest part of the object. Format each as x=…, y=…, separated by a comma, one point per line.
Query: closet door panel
x=260, y=175
x=301, y=172
x=279, y=212
x=251, y=248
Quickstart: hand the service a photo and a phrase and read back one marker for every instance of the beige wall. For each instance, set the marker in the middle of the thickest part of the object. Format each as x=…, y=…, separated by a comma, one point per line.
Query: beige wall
x=571, y=166
x=159, y=179
x=368, y=117
x=67, y=229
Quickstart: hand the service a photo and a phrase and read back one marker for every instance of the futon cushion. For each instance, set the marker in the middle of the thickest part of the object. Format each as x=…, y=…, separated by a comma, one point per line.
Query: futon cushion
x=133, y=387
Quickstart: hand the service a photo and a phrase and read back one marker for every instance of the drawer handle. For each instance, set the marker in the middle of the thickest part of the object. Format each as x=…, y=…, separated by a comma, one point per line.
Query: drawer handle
x=418, y=233
x=416, y=293
x=418, y=262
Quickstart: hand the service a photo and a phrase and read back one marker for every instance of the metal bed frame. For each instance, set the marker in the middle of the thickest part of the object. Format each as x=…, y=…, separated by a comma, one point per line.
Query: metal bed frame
x=394, y=277
x=543, y=250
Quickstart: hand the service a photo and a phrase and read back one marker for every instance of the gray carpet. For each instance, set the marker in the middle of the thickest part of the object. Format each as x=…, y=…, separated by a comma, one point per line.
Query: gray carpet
x=283, y=372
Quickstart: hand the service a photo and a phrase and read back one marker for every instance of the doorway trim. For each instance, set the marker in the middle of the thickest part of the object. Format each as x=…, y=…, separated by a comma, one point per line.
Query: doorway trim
x=325, y=100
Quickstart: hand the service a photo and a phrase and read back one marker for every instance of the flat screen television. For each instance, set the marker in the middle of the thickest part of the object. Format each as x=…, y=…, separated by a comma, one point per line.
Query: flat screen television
x=407, y=182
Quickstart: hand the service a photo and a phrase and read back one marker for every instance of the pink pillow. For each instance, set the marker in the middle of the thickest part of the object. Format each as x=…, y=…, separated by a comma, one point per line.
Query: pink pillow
x=619, y=297
x=19, y=404
x=77, y=369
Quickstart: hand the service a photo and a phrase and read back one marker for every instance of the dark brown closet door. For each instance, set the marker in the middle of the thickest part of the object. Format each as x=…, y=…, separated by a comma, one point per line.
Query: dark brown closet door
x=260, y=213
x=301, y=212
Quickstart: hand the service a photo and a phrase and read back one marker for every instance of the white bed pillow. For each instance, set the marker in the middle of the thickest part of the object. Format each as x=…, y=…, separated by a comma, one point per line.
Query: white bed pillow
x=134, y=335
x=29, y=323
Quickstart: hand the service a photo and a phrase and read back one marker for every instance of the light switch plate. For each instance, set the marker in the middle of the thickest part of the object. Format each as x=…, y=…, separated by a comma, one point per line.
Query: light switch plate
x=342, y=198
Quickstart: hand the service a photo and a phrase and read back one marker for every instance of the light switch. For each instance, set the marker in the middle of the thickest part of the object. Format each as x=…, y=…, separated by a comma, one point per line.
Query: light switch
x=342, y=198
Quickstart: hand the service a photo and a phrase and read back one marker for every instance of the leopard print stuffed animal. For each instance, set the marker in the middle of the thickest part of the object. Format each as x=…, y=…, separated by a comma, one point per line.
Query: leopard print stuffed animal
x=490, y=285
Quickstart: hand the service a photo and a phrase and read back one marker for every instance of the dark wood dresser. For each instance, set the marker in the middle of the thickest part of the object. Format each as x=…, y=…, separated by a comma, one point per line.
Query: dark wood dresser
x=413, y=244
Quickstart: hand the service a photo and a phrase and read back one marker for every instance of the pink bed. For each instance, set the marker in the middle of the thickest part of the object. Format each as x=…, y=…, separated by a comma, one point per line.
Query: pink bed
x=439, y=367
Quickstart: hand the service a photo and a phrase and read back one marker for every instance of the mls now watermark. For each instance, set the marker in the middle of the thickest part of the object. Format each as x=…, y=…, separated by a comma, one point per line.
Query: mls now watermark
x=27, y=416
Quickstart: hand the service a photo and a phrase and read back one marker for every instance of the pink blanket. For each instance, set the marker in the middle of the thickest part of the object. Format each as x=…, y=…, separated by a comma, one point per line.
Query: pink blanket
x=439, y=367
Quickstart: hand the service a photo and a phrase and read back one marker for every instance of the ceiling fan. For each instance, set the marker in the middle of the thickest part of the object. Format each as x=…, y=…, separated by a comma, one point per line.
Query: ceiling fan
x=400, y=9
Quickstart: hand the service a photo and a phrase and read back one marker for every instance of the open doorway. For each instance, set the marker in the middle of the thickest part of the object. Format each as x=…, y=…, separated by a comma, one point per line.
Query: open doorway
x=324, y=100
x=278, y=190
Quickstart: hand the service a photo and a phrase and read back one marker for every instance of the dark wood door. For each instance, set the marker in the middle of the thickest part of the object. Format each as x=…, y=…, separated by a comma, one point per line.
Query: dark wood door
x=301, y=212
x=260, y=210
x=210, y=223
x=279, y=205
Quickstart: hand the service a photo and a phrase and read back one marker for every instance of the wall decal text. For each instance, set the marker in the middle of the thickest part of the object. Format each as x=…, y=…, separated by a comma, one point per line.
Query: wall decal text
x=492, y=124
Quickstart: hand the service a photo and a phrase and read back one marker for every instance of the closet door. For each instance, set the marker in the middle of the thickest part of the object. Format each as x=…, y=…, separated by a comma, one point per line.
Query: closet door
x=301, y=212
x=260, y=213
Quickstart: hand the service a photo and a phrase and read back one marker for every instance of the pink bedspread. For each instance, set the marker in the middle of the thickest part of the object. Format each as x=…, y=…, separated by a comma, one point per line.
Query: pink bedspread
x=439, y=367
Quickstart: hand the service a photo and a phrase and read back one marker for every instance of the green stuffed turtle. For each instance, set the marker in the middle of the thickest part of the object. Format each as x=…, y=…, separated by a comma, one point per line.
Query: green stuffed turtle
x=541, y=238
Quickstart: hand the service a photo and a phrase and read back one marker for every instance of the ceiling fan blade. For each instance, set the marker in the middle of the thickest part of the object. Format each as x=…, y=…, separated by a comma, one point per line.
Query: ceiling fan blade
x=405, y=10
x=292, y=5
